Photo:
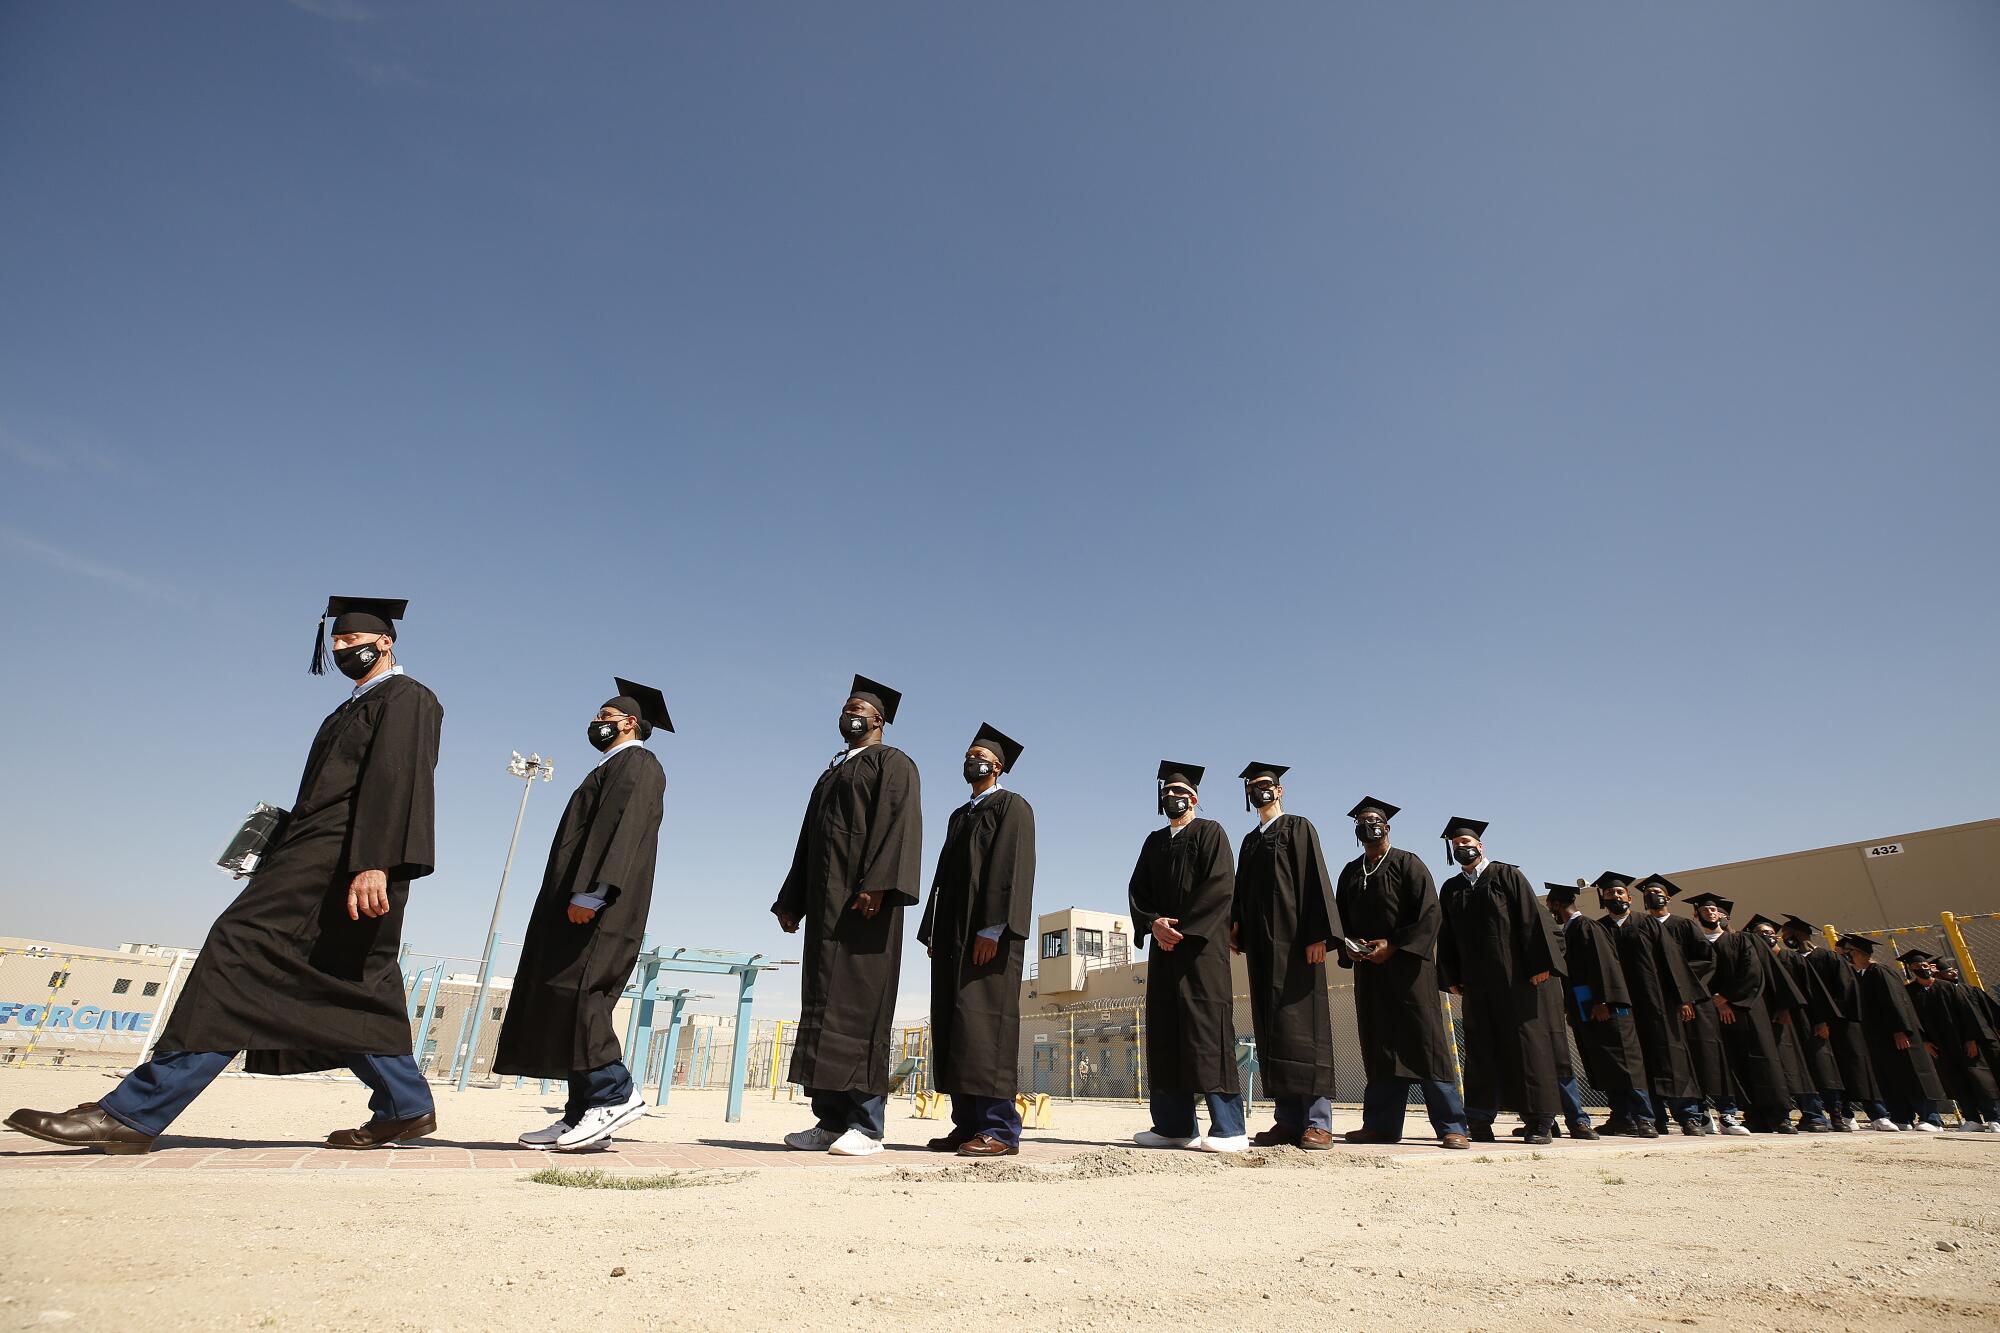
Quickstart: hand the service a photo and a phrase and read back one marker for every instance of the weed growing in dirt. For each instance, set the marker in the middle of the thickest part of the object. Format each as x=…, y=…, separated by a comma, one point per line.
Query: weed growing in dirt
x=595, y=1178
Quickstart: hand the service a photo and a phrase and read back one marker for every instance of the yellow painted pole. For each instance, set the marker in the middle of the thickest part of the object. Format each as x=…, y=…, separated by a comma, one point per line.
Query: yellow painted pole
x=1966, y=967
x=1832, y=935
x=777, y=1043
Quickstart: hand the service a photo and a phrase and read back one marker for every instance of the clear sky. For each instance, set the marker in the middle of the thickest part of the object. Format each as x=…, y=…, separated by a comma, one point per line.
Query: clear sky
x=1584, y=417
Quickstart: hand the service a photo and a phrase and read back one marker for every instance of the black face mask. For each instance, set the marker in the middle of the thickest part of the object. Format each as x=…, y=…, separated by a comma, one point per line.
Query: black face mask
x=603, y=735
x=977, y=770
x=358, y=661
x=1617, y=908
x=1465, y=856
x=853, y=727
x=1263, y=796
x=1176, y=806
x=1371, y=830
x=1655, y=900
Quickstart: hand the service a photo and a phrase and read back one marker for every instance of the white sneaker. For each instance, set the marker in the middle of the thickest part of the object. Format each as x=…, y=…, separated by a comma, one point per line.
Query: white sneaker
x=811, y=1140
x=1882, y=1124
x=598, y=1123
x=1146, y=1138
x=545, y=1139
x=1926, y=1127
x=1849, y=1125
x=855, y=1144
x=1730, y=1125
x=1991, y=1127
x=1209, y=1143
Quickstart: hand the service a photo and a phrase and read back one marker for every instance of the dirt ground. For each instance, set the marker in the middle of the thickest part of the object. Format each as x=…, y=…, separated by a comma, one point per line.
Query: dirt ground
x=1841, y=1231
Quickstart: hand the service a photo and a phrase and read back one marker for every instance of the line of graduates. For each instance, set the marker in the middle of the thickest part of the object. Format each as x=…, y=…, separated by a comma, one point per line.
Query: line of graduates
x=1672, y=1016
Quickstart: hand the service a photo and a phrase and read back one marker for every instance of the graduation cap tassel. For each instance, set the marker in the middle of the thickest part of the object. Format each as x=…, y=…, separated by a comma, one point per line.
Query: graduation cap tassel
x=319, y=650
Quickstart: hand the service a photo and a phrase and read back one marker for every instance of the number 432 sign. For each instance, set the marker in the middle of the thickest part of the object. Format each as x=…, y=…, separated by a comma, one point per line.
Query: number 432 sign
x=1884, y=849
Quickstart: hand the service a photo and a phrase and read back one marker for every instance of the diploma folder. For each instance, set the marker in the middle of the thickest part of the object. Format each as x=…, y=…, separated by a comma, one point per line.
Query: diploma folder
x=262, y=828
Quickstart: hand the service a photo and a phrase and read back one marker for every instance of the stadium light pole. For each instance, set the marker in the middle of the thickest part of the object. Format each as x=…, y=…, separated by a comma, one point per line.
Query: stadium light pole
x=534, y=766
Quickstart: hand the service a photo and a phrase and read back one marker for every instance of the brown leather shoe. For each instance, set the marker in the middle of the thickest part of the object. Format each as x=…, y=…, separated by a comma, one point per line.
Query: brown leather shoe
x=1454, y=1141
x=85, y=1126
x=382, y=1133
x=985, y=1145
x=1368, y=1136
x=1316, y=1140
x=1277, y=1136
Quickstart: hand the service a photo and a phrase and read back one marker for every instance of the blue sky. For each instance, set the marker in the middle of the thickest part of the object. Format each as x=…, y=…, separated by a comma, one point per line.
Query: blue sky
x=1582, y=417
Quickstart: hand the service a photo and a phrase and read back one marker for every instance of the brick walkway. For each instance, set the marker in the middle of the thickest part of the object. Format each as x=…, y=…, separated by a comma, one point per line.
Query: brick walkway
x=19, y=1152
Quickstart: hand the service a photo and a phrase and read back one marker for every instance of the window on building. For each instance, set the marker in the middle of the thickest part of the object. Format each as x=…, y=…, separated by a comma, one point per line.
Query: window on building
x=499, y=1011
x=1052, y=944
x=150, y=988
x=1090, y=943
x=57, y=978
x=1121, y=946
x=118, y=987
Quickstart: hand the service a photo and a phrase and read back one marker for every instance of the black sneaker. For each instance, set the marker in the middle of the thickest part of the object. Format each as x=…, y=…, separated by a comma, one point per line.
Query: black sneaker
x=1642, y=1130
x=1480, y=1133
x=1582, y=1132
x=1782, y=1127
x=1692, y=1128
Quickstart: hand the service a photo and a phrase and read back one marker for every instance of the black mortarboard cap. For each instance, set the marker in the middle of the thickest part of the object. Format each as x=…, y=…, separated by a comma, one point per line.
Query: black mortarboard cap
x=1611, y=879
x=1559, y=893
x=1706, y=899
x=1186, y=773
x=1371, y=803
x=641, y=701
x=1761, y=920
x=1861, y=942
x=875, y=692
x=1800, y=923
x=1457, y=825
x=356, y=615
x=1909, y=956
x=1671, y=889
x=1000, y=743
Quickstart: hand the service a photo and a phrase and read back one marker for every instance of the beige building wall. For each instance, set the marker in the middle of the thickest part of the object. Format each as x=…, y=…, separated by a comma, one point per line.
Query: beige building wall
x=1900, y=879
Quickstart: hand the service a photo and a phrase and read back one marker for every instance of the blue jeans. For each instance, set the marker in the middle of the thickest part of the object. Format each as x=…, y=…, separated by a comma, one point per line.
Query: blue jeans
x=1383, y=1102
x=1635, y=1105
x=1572, y=1099
x=1812, y=1110
x=155, y=1093
x=1302, y=1113
x=841, y=1111
x=608, y=1085
x=1173, y=1114
x=997, y=1116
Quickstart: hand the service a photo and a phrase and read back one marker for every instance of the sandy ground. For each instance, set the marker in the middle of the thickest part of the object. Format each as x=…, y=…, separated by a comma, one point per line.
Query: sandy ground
x=1848, y=1231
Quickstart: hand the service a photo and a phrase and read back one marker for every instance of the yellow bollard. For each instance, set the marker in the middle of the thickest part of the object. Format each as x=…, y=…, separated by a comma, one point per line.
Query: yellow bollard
x=1966, y=967
x=777, y=1044
x=1832, y=935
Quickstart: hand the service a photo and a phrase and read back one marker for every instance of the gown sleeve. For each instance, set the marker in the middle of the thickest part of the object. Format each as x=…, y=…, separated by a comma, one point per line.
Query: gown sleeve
x=892, y=858
x=394, y=801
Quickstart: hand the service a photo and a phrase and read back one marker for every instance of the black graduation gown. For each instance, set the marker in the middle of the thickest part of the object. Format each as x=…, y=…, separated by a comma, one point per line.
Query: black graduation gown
x=1904, y=1076
x=1704, y=1034
x=284, y=976
x=1820, y=1008
x=1789, y=1024
x=1492, y=938
x=1658, y=992
x=1284, y=902
x=1741, y=977
x=1950, y=1020
x=1554, y=1006
x=1612, y=1058
x=863, y=832
x=571, y=977
x=1840, y=988
x=1190, y=1025
x=985, y=878
x=1399, y=1015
